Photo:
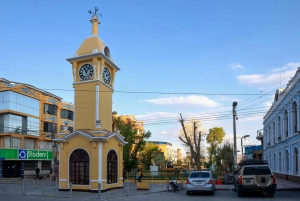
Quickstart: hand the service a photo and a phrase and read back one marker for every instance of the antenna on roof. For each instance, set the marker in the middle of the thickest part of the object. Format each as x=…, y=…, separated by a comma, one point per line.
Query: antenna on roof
x=95, y=13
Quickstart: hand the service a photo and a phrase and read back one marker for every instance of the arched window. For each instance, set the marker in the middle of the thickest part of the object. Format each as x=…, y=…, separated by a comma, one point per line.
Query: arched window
x=286, y=124
x=287, y=161
x=266, y=138
x=280, y=162
x=269, y=140
x=79, y=167
x=294, y=117
x=295, y=161
x=279, y=128
x=274, y=163
x=273, y=142
x=112, y=167
x=270, y=161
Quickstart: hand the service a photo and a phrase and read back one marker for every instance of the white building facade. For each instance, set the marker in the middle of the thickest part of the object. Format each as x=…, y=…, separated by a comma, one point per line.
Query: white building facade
x=281, y=138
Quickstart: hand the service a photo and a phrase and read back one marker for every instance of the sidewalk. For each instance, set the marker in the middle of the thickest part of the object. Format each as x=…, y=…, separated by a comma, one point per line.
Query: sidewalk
x=282, y=185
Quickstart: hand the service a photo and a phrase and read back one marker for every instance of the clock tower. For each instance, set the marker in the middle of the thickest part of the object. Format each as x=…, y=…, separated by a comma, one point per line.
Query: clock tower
x=93, y=82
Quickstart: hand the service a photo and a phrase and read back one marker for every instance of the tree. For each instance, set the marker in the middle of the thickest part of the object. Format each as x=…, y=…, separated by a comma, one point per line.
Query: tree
x=148, y=154
x=136, y=142
x=191, y=137
x=214, y=137
x=224, y=157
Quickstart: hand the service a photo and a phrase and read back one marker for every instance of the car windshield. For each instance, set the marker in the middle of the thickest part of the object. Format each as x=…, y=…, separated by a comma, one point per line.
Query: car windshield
x=200, y=174
x=257, y=170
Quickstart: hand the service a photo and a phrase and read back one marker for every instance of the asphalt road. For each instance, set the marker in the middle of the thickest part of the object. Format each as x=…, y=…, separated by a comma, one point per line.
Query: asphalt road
x=9, y=192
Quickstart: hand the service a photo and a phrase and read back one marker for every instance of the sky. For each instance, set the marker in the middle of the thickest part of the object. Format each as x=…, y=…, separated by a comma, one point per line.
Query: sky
x=192, y=57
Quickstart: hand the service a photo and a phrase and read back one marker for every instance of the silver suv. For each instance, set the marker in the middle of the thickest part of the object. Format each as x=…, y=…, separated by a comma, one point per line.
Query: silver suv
x=255, y=175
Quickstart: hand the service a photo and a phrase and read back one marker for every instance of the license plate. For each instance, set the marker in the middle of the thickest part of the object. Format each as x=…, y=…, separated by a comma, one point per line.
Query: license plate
x=247, y=180
x=199, y=183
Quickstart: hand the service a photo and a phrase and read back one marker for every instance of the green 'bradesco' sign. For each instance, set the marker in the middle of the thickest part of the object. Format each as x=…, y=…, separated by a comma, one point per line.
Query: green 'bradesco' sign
x=25, y=154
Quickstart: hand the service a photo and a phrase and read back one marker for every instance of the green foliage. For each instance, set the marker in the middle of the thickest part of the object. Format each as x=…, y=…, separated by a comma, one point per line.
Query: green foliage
x=224, y=157
x=215, y=135
x=136, y=142
x=148, y=155
x=179, y=162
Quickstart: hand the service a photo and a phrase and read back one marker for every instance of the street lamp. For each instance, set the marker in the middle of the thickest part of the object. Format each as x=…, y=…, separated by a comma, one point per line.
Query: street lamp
x=242, y=144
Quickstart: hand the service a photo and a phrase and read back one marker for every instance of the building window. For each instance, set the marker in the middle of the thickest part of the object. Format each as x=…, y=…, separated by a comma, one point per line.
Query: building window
x=295, y=161
x=50, y=127
x=12, y=142
x=66, y=114
x=294, y=117
x=274, y=164
x=46, y=165
x=69, y=128
x=42, y=145
x=80, y=167
x=50, y=109
x=287, y=162
x=279, y=162
x=112, y=167
x=286, y=123
x=279, y=128
x=29, y=165
x=29, y=143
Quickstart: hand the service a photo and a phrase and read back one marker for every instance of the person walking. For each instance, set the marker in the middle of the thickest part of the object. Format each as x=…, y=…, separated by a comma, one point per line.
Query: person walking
x=124, y=174
x=37, y=172
x=139, y=173
x=51, y=173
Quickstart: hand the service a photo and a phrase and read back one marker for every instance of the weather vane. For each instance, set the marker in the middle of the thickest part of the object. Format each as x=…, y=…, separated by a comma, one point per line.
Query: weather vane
x=96, y=10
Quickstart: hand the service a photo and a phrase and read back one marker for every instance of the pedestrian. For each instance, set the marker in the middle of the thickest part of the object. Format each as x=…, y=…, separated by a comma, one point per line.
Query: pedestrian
x=136, y=175
x=124, y=174
x=51, y=173
x=139, y=172
x=37, y=172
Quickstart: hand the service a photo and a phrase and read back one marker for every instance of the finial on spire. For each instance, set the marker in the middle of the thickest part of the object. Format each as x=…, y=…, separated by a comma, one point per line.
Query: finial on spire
x=95, y=21
x=96, y=10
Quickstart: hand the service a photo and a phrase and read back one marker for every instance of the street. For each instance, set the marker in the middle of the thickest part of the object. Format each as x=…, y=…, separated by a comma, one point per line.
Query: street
x=12, y=192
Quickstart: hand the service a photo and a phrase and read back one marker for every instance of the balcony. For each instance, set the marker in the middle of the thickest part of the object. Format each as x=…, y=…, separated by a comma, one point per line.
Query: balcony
x=259, y=135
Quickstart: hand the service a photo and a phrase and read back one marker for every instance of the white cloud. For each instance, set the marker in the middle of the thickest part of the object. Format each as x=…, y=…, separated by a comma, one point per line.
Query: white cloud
x=271, y=77
x=157, y=115
x=164, y=132
x=192, y=100
x=235, y=66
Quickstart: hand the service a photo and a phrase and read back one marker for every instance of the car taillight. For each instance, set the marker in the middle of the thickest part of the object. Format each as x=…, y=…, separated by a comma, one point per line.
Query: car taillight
x=209, y=182
x=240, y=179
x=187, y=182
x=274, y=179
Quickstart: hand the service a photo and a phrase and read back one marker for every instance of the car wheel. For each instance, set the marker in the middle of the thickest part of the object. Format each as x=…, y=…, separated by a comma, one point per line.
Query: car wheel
x=239, y=193
x=270, y=194
x=187, y=192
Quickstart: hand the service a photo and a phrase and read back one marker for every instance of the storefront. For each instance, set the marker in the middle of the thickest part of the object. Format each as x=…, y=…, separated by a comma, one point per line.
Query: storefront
x=22, y=162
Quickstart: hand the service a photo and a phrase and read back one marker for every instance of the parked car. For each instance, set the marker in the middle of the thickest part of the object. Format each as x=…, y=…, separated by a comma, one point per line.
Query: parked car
x=255, y=175
x=200, y=181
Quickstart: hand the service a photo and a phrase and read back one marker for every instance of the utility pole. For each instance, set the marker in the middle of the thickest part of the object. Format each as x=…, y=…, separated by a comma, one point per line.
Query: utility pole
x=234, y=134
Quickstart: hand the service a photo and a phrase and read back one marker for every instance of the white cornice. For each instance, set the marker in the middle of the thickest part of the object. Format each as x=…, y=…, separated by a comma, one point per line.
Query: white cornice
x=97, y=54
x=282, y=96
x=95, y=80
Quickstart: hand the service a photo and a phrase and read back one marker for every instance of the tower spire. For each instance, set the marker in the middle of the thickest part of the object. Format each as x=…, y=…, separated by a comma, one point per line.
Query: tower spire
x=95, y=21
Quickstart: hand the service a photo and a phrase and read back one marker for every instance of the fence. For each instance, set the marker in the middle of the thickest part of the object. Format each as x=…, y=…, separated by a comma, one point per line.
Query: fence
x=48, y=188
x=159, y=175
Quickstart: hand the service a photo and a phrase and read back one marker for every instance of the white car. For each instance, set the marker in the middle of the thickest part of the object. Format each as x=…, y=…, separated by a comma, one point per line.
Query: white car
x=200, y=181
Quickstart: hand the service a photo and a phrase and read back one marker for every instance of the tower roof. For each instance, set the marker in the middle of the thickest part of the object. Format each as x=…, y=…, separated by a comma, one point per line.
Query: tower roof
x=93, y=43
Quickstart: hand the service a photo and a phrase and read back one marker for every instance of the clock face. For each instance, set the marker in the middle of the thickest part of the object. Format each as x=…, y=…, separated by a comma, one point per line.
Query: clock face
x=106, y=75
x=86, y=71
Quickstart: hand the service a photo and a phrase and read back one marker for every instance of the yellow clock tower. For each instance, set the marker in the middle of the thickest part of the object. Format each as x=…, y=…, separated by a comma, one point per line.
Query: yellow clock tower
x=92, y=156
x=93, y=76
